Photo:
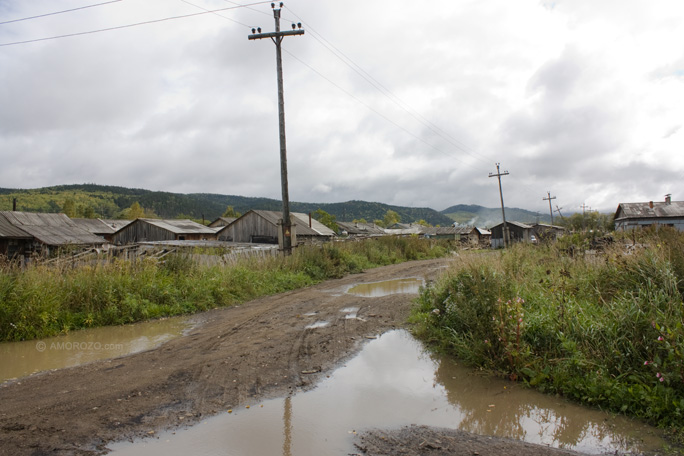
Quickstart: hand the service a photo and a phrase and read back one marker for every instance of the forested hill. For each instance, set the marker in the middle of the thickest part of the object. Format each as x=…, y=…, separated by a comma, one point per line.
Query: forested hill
x=89, y=200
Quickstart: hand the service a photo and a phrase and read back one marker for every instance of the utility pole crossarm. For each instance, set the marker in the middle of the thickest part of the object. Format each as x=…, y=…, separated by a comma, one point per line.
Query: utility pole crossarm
x=260, y=36
x=549, y=200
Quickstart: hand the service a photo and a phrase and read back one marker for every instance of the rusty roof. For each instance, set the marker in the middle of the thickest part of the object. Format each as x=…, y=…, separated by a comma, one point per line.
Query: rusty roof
x=51, y=229
x=674, y=209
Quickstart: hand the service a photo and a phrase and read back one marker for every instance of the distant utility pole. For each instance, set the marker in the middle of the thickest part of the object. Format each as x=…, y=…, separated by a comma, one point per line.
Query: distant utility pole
x=558, y=209
x=549, y=199
x=277, y=38
x=506, y=237
x=584, y=206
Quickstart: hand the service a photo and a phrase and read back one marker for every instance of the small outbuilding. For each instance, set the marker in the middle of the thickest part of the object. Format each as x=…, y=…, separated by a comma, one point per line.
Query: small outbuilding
x=360, y=229
x=261, y=227
x=14, y=241
x=149, y=230
x=517, y=232
x=629, y=216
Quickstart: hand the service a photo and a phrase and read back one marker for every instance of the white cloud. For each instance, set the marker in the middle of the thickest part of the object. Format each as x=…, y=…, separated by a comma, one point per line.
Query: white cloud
x=576, y=97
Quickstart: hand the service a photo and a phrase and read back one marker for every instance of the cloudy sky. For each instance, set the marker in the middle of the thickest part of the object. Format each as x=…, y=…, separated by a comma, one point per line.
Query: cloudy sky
x=403, y=102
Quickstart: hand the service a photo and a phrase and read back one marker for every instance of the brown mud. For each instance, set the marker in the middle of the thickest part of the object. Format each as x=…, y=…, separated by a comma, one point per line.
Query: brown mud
x=235, y=356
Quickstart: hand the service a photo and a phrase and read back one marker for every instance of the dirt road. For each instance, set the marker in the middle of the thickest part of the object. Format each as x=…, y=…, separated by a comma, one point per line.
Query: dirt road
x=234, y=356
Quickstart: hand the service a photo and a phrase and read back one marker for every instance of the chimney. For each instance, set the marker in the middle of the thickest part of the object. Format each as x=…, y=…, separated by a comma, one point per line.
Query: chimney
x=309, y=219
x=14, y=205
x=650, y=204
x=668, y=198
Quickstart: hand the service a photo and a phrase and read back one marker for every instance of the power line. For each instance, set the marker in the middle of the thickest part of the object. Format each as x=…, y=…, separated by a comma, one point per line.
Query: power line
x=129, y=25
x=217, y=14
x=58, y=12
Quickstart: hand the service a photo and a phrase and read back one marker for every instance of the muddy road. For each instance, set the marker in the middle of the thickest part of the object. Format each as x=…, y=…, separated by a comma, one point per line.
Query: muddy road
x=234, y=356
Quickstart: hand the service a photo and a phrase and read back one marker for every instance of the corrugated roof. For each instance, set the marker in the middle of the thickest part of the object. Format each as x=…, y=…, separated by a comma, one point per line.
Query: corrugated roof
x=7, y=230
x=180, y=226
x=51, y=229
x=643, y=210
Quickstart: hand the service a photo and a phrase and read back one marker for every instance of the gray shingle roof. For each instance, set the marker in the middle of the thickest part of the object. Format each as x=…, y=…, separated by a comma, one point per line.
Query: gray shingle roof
x=643, y=210
x=181, y=226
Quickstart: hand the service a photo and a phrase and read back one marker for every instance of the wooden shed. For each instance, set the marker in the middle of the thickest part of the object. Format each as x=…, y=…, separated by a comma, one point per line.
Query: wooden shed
x=146, y=230
x=51, y=231
x=360, y=229
x=261, y=227
x=13, y=240
x=222, y=221
x=518, y=232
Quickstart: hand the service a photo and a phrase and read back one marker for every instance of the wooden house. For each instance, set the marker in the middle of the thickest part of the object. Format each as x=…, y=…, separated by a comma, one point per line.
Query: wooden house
x=517, y=232
x=50, y=232
x=261, y=227
x=14, y=241
x=629, y=216
x=544, y=232
x=147, y=230
x=359, y=229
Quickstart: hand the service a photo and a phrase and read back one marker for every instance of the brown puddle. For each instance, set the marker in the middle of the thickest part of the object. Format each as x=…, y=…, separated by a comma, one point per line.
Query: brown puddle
x=387, y=287
x=19, y=359
x=393, y=382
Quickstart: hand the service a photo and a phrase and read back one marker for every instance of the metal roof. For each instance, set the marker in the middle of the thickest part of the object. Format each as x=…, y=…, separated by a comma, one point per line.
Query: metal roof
x=644, y=210
x=51, y=229
x=180, y=226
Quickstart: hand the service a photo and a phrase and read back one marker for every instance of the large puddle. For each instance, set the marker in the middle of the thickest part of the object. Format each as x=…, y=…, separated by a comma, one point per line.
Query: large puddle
x=386, y=288
x=19, y=359
x=393, y=382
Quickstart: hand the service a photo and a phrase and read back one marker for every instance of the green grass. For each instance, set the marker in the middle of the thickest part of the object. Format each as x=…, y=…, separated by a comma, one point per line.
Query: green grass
x=45, y=300
x=604, y=330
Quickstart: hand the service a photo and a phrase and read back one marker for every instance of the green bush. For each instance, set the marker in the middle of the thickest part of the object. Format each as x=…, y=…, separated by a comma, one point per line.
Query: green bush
x=602, y=329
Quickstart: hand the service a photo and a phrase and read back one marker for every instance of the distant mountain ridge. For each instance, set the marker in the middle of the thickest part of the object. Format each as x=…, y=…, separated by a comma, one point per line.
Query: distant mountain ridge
x=472, y=214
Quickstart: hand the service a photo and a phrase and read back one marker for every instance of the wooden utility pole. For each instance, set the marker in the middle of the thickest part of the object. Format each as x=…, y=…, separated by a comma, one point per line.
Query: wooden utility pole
x=277, y=38
x=584, y=206
x=558, y=209
x=506, y=237
x=549, y=199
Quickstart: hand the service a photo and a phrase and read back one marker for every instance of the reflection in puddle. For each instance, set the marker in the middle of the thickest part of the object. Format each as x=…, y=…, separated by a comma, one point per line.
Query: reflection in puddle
x=19, y=359
x=393, y=383
x=388, y=287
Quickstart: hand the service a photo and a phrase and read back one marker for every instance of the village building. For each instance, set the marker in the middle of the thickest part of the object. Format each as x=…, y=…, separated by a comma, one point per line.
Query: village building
x=545, y=232
x=150, y=230
x=262, y=227
x=517, y=232
x=358, y=229
x=222, y=221
x=446, y=232
x=629, y=216
x=47, y=233
x=480, y=236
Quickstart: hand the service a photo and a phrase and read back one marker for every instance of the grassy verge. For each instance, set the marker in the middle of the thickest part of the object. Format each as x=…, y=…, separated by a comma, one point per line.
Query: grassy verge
x=43, y=300
x=605, y=330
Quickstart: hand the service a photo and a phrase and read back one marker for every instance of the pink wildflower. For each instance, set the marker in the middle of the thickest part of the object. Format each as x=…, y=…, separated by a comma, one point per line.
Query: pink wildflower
x=660, y=338
x=662, y=379
x=645, y=363
x=658, y=375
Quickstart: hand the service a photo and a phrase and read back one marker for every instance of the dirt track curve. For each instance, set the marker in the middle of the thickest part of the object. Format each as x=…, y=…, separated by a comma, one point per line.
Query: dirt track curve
x=237, y=355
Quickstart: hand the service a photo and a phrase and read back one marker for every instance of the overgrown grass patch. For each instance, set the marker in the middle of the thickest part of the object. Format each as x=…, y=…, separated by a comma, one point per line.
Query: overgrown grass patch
x=602, y=329
x=44, y=300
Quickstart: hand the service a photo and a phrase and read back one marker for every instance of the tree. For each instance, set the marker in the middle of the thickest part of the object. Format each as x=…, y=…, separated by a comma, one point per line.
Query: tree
x=362, y=220
x=69, y=208
x=422, y=222
x=326, y=219
x=391, y=217
x=230, y=212
x=135, y=211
